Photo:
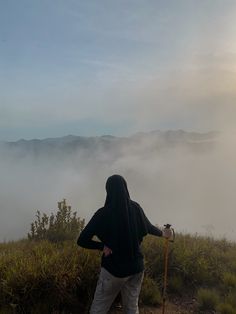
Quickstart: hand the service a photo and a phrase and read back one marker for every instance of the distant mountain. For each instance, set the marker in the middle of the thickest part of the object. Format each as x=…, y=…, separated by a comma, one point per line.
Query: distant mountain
x=140, y=143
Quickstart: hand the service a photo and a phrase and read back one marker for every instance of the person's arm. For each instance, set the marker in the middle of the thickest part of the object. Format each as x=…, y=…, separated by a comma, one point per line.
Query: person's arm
x=85, y=237
x=154, y=230
x=151, y=229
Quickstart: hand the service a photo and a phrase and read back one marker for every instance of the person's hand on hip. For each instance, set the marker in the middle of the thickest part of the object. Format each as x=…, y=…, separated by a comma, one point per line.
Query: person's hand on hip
x=107, y=251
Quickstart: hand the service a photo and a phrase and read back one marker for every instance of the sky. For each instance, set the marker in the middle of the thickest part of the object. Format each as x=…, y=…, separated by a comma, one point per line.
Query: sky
x=116, y=67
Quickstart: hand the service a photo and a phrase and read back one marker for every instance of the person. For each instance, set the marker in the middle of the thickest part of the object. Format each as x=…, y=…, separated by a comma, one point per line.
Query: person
x=120, y=226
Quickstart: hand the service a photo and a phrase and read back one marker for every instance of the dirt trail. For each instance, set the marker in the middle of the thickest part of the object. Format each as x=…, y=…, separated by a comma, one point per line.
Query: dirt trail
x=170, y=309
x=176, y=307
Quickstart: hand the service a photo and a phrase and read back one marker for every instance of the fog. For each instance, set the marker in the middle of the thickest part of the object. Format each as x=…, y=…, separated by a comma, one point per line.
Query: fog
x=189, y=184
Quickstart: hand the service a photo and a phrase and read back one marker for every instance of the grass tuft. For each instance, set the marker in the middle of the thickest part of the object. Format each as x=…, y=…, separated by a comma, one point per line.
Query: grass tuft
x=207, y=299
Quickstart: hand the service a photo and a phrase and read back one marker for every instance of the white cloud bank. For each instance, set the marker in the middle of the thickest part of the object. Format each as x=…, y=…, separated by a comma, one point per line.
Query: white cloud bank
x=183, y=185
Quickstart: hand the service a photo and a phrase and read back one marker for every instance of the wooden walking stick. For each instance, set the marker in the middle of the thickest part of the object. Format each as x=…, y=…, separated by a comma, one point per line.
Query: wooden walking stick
x=166, y=255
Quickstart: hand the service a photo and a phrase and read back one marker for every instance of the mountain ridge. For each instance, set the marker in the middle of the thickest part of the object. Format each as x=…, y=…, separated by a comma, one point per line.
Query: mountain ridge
x=71, y=137
x=141, y=143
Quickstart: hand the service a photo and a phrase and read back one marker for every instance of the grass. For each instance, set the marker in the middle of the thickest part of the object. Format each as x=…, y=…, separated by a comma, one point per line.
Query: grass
x=45, y=277
x=226, y=308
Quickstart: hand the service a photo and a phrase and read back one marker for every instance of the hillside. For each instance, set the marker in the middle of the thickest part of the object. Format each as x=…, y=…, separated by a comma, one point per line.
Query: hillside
x=39, y=276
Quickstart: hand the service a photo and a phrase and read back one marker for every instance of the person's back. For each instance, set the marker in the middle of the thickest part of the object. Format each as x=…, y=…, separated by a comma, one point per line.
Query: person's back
x=120, y=226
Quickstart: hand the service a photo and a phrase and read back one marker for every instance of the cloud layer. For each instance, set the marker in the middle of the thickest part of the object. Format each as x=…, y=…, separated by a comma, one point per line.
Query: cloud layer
x=187, y=183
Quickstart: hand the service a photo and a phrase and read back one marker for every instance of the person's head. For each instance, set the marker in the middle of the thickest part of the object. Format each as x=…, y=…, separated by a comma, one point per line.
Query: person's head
x=117, y=191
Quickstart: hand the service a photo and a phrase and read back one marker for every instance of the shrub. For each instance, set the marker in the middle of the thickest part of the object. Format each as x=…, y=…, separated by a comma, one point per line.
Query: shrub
x=175, y=284
x=150, y=293
x=64, y=225
x=207, y=299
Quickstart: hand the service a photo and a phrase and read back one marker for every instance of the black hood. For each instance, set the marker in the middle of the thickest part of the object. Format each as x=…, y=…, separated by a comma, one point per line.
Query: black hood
x=117, y=193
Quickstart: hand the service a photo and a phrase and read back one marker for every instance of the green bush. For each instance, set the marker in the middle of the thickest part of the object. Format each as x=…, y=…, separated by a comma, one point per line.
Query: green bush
x=207, y=299
x=64, y=225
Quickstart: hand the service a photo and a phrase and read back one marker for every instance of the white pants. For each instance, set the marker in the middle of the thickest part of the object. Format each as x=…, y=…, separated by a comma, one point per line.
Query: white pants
x=108, y=286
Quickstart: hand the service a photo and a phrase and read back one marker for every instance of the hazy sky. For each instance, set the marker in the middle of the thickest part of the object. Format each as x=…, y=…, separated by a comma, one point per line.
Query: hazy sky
x=116, y=67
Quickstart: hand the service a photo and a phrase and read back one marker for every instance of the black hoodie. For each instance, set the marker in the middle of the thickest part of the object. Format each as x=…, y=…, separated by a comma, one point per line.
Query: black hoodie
x=120, y=225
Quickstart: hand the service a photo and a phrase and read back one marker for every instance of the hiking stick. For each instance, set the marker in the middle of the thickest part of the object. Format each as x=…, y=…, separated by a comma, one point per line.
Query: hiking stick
x=166, y=255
